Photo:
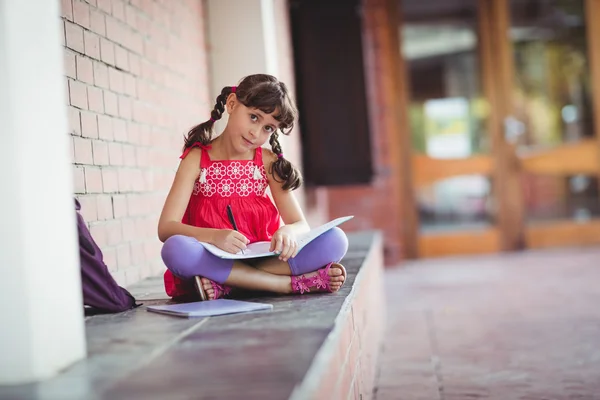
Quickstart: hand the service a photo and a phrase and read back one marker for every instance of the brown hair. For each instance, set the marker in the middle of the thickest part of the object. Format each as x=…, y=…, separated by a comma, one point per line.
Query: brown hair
x=267, y=94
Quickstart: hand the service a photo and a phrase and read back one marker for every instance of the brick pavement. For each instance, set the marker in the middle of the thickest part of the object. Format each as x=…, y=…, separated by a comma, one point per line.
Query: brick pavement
x=516, y=326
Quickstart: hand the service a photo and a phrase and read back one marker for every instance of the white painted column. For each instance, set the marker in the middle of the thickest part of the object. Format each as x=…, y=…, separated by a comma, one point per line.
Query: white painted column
x=41, y=328
x=237, y=38
x=242, y=40
x=250, y=37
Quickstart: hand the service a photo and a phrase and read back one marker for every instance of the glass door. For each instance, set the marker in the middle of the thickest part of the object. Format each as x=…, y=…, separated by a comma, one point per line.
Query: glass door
x=549, y=121
x=452, y=165
x=503, y=123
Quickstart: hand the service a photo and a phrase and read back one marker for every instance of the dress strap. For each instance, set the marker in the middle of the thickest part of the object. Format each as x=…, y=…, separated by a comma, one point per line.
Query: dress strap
x=205, y=159
x=258, y=160
x=258, y=163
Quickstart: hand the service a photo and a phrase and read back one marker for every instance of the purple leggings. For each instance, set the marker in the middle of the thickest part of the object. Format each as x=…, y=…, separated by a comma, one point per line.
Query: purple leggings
x=186, y=257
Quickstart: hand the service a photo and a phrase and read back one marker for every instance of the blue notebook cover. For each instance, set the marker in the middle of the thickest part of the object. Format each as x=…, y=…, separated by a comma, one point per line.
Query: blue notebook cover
x=209, y=308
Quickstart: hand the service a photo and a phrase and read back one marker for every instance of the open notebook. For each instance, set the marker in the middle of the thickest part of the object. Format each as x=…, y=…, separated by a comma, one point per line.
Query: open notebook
x=209, y=308
x=261, y=249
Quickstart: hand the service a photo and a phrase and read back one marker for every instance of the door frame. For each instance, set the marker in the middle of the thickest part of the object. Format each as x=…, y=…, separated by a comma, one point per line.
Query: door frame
x=511, y=231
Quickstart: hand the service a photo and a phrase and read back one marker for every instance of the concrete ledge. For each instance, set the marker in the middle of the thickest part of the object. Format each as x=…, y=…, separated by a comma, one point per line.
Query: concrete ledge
x=345, y=366
x=316, y=346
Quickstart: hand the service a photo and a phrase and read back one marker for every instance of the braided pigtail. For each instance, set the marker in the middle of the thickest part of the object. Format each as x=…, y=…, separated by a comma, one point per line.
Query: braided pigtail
x=282, y=170
x=203, y=132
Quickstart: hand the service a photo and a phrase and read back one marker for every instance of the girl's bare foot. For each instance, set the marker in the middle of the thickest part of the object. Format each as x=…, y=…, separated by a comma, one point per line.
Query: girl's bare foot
x=214, y=290
x=336, y=277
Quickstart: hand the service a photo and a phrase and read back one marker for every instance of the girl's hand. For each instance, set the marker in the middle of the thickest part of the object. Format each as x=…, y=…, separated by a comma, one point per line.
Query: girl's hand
x=284, y=243
x=229, y=240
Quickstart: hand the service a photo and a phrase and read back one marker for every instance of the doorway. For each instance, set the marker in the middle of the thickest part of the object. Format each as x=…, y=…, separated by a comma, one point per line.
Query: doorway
x=502, y=106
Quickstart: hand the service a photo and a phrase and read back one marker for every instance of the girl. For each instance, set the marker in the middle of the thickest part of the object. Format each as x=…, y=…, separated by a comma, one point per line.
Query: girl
x=233, y=170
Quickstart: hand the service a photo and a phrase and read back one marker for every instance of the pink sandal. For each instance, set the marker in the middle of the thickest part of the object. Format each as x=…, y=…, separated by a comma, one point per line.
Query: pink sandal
x=220, y=290
x=301, y=284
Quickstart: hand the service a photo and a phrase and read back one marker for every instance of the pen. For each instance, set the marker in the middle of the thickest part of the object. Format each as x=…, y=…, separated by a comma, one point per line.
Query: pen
x=232, y=220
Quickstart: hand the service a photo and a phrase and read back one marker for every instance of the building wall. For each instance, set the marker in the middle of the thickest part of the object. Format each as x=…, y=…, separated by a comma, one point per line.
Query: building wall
x=312, y=200
x=251, y=37
x=137, y=77
x=372, y=205
x=379, y=204
x=136, y=80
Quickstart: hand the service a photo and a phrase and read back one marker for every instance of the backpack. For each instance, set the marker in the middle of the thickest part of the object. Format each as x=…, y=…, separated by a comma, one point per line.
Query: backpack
x=101, y=293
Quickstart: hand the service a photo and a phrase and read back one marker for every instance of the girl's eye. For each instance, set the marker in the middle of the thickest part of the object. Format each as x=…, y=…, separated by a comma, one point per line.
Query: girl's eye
x=269, y=129
x=253, y=117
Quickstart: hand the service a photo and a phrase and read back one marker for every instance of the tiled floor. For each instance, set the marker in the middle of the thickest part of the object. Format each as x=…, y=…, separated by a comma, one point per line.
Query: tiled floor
x=523, y=326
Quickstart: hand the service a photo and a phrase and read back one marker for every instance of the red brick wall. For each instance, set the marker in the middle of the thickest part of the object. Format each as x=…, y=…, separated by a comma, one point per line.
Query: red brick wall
x=372, y=208
x=380, y=205
x=349, y=362
x=136, y=79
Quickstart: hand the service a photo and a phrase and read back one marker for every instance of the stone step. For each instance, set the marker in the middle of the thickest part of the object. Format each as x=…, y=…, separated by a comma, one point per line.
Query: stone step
x=309, y=346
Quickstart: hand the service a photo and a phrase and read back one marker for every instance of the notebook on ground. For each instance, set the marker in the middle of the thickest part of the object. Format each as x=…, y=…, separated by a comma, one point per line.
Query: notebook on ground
x=209, y=308
x=261, y=249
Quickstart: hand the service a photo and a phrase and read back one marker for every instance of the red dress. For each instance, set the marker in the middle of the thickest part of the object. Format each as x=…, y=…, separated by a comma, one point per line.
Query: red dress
x=239, y=183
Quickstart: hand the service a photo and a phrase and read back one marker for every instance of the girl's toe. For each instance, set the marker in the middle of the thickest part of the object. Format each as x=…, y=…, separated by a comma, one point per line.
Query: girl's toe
x=206, y=284
x=210, y=294
x=335, y=287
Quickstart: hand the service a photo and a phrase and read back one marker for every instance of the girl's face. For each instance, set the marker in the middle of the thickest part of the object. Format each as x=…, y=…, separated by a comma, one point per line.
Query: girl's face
x=249, y=127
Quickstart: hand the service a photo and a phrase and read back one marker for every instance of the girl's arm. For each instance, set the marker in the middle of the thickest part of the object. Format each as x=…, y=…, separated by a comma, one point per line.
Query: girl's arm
x=284, y=240
x=176, y=203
